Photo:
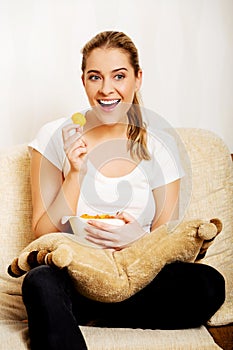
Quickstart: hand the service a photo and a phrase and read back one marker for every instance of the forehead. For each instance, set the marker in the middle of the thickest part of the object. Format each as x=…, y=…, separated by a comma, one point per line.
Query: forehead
x=103, y=59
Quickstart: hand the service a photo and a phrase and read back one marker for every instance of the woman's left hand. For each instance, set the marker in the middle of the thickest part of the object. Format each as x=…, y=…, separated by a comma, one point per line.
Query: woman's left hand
x=113, y=236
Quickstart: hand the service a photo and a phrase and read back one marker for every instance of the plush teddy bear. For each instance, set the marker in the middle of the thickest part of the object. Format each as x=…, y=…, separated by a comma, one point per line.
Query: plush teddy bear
x=111, y=276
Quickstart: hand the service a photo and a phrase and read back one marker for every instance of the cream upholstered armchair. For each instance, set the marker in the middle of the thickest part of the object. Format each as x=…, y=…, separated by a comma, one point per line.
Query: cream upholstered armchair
x=211, y=196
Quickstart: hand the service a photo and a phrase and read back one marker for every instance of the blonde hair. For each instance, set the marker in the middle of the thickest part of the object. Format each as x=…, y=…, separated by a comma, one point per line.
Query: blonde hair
x=136, y=131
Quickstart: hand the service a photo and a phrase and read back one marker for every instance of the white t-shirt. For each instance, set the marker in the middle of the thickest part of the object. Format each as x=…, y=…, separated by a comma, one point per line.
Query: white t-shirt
x=133, y=192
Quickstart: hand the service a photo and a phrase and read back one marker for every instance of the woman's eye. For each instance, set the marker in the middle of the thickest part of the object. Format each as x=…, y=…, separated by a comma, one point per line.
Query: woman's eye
x=119, y=76
x=94, y=77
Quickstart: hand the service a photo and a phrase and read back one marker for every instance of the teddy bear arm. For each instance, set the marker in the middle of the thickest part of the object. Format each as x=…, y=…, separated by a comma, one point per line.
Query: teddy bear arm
x=147, y=257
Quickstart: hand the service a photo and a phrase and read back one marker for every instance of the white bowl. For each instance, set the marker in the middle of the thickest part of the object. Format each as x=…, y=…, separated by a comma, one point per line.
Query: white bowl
x=79, y=224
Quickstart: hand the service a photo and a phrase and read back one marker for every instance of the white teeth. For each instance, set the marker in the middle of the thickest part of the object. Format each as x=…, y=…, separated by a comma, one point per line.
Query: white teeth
x=109, y=102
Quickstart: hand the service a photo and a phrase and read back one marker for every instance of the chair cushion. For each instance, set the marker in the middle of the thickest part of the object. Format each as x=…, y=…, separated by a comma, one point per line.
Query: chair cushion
x=14, y=333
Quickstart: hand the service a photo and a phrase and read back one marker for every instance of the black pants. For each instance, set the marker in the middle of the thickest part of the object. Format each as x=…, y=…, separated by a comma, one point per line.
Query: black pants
x=183, y=295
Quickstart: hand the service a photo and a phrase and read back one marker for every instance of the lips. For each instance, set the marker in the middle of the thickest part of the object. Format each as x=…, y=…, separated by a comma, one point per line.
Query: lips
x=109, y=104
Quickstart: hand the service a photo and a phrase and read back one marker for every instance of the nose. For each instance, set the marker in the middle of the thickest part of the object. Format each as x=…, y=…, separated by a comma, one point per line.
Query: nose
x=106, y=87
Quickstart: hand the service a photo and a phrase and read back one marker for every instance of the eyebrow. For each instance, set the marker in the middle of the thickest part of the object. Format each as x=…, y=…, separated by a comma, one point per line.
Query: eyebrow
x=114, y=70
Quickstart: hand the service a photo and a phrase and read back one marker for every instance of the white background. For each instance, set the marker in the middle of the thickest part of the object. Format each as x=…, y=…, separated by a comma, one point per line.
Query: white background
x=185, y=49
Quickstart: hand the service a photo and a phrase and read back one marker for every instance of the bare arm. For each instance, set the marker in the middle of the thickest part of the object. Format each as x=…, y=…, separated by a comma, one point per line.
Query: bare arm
x=52, y=196
x=167, y=203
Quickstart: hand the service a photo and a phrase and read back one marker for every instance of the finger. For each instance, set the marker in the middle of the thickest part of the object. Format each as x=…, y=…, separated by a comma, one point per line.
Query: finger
x=70, y=129
x=125, y=216
x=101, y=242
x=100, y=234
x=76, y=152
x=72, y=137
x=74, y=142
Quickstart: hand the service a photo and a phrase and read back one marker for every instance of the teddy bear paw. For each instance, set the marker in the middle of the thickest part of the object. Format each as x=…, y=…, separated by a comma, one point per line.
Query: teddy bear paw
x=210, y=230
x=60, y=257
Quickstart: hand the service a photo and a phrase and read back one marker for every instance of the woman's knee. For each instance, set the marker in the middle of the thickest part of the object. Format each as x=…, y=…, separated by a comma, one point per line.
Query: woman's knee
x=215, y=288
x=201, y=283
x=209, y=286
x=44, y=278
x=38, y=274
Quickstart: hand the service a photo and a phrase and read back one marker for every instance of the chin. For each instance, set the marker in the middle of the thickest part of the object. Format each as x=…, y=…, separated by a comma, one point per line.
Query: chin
x=110, y=118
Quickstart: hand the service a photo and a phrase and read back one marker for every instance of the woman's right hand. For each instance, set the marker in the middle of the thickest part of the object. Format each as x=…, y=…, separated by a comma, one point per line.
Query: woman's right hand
x=75, y=147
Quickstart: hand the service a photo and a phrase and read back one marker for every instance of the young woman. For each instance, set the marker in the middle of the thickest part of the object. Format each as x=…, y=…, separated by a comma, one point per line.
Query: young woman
x=112, y=164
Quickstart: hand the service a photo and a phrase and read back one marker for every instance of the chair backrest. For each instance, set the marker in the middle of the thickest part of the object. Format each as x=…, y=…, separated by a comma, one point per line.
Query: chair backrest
x=15, y=211
x=212, y=196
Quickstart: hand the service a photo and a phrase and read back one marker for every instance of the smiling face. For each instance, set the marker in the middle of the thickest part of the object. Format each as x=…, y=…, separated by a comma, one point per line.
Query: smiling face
x=110, y=83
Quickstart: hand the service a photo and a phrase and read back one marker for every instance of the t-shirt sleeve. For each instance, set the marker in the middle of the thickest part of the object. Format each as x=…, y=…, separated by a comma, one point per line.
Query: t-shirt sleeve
x=49, y=143
x=166, y=162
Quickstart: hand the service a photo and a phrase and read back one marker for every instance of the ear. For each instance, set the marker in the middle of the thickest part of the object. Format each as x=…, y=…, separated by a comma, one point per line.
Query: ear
x=138, y=81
